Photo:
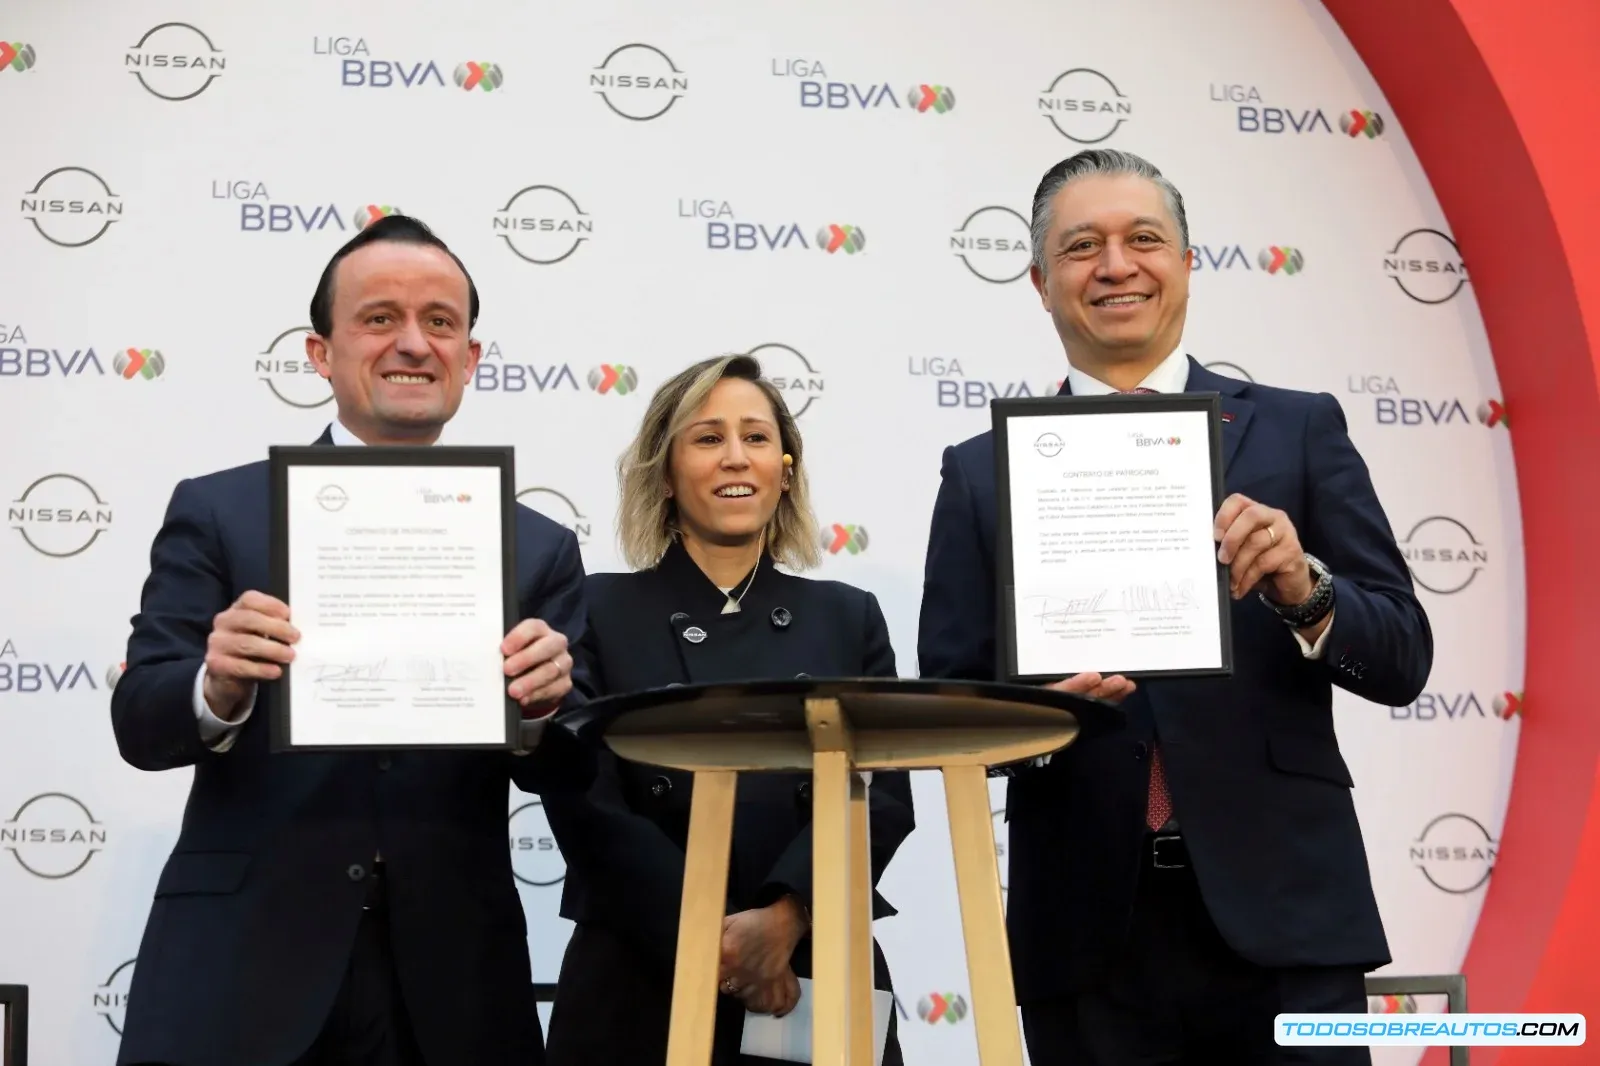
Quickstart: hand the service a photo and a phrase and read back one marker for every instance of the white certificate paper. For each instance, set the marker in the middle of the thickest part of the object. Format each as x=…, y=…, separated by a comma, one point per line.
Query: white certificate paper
x=395, y=579
x=788, y=1039
x=1112, y=563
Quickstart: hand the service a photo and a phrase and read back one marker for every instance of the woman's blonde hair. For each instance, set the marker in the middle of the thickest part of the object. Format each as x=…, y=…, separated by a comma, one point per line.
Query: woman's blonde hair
x=646, y=515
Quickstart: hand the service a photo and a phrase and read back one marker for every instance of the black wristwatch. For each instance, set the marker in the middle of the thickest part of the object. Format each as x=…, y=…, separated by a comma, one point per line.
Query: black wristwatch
x=1316, y=606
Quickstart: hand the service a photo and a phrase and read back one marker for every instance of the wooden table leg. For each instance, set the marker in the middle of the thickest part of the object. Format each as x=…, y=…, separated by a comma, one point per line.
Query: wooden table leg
x=861, y=983
x=830, y=906
x=983, y=922
x=705, y=894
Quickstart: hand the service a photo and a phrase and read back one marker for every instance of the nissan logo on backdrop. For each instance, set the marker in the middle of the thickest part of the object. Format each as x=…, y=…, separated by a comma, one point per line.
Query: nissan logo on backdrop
x=52, y=835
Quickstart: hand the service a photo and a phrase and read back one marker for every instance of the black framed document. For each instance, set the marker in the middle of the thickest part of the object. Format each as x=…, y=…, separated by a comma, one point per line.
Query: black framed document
x=398, y=566
x=1105, y=554
x=13, y=1025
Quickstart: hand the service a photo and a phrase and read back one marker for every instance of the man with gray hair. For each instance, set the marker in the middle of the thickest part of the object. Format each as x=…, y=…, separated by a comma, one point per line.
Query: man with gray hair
x=1175, y=886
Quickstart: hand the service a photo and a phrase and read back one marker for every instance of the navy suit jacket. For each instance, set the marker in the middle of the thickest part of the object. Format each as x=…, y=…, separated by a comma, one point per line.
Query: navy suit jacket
x=256, y=910
x=1259, y=787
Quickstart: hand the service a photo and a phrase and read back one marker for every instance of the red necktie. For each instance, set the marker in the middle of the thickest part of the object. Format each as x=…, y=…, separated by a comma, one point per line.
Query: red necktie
x=1158, y=808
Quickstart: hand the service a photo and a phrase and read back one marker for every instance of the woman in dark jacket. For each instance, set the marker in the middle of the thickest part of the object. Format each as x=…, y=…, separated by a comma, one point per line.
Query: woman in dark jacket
x=714, y=498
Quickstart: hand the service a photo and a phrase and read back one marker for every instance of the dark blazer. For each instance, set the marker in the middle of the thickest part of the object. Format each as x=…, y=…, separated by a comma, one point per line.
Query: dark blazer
x=1252, y=764
x=256, y=910
x=624, y=842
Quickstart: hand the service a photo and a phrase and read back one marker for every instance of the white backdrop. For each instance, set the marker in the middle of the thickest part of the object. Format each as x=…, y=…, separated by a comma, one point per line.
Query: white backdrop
x=155, y=290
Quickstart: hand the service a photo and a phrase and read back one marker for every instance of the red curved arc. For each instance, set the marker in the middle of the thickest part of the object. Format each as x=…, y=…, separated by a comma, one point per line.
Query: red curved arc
x=1495, y=100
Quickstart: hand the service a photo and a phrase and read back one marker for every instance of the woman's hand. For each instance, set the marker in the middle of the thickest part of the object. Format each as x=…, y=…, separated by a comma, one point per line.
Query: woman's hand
x=757, y=945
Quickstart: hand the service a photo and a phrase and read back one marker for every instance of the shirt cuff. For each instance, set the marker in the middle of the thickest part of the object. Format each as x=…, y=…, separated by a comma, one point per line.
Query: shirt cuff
x=1314, y=651
x=214, y=732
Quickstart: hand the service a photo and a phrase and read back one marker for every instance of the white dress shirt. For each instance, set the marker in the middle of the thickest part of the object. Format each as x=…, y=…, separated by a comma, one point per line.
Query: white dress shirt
x=217, y=734
x=1172, y=375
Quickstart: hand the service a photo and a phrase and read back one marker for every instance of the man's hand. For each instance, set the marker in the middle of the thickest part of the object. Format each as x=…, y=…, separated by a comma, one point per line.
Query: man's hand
x=1261, y=548
x=249, y=643
x=1115, y=688
x=756, y=948
x=538, y=662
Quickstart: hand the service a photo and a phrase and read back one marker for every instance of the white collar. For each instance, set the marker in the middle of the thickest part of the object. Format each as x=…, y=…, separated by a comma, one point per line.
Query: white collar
x=343, y=437
x=1170, y=375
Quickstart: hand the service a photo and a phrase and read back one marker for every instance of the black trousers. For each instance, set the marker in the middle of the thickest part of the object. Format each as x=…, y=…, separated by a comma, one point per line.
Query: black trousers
x=1177, y=995
x=368, y=1025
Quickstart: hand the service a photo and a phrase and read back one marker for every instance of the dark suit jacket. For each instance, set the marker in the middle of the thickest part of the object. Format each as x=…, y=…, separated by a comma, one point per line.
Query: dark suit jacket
x=1258, y=784
x=256, y=910
x=624, y=843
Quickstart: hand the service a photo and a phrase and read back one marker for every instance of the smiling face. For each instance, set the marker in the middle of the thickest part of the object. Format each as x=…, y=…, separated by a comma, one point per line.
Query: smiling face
x=726, y=472
x=400, y=351
x=1117, y=277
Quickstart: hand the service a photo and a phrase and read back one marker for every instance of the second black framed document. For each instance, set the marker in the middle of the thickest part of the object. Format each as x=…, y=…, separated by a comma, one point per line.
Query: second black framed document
x=13, y=1025
x=1105, y=555
x=398, y=566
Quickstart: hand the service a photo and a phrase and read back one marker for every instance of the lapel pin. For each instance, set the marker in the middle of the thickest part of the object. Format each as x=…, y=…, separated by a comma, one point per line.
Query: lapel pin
x=780, y=617
x=694, y=634
x=1227, y=417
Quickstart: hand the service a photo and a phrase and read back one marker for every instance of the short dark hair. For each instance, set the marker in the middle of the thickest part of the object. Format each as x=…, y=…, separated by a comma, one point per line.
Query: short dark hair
x=1099, y=161
x=402, y=229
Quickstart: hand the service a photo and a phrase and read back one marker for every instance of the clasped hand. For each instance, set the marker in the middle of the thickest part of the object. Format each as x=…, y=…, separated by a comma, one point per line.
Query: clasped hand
x=756, y=948
x=253, y=640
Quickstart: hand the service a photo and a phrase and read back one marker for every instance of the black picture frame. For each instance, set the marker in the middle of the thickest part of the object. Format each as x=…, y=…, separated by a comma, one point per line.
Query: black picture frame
x=1453, y=986
x=13, y=1025
x=1008, y=414
x=282, y=457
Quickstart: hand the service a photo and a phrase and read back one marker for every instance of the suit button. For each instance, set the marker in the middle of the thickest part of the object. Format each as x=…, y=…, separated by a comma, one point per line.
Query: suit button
x=801, y=675
x=660, y=786
x=1140, y=750
x=356, y=871
x=803, y=790
x=383, y=762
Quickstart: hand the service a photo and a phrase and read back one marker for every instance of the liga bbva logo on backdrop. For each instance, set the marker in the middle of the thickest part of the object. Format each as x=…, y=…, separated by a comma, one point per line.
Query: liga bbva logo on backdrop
x=607, y=164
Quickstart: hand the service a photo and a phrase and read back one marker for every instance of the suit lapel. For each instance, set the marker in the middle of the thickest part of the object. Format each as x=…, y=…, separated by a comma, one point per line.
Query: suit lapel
x=701, y=634
x=1236, y=410
x=327, y=436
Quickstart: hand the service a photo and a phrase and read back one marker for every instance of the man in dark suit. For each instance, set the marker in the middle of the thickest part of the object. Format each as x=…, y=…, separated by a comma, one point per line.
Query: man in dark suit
x=1175, y=886
x=331, y=907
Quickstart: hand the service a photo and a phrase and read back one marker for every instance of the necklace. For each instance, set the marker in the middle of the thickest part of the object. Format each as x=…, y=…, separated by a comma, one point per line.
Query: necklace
x=732, y=606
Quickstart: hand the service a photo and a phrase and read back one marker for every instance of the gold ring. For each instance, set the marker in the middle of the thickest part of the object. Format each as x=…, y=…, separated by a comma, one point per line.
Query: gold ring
x=1274, y=537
